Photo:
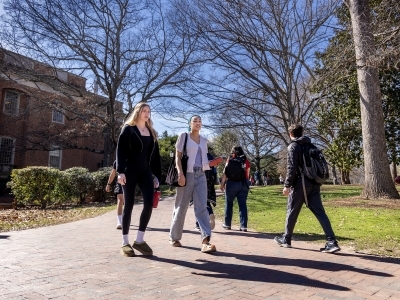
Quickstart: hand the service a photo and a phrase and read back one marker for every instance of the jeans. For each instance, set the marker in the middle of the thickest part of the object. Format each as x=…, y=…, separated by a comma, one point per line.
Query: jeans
x=239, y=190
x=210, y=212
x=196, y=187
x=295, y=203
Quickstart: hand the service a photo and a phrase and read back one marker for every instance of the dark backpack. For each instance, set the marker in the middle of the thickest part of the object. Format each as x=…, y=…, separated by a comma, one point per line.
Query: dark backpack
x=314, y=164
x=235, y=170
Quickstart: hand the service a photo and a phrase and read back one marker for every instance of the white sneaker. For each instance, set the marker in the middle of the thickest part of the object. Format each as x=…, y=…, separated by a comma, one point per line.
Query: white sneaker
x=212, y=221
x=119, y=226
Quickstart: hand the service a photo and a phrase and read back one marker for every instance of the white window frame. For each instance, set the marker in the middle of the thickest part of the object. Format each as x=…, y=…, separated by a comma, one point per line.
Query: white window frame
x=55, y=153
x=12, y=151
x=55, y=114
x=5, y=100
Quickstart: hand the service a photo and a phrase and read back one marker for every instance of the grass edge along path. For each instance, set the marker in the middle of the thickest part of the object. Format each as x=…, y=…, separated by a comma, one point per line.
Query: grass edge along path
x=365, y=226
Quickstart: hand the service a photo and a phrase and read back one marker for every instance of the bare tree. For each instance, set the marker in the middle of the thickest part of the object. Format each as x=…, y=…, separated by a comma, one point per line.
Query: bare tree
x=378, y=182
x=130, y=49
x=262, y=48
x=251, y=133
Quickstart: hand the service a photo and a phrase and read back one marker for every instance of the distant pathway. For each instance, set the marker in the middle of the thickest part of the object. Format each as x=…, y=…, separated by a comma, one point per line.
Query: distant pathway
x=81, y=260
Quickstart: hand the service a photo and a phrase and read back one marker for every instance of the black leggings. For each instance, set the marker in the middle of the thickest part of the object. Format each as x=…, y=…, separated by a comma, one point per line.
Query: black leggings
x=145, y=181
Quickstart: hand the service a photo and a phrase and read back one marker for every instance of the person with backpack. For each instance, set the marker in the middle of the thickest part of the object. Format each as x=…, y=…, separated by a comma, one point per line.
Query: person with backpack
x=235, y=183
x=300, y=188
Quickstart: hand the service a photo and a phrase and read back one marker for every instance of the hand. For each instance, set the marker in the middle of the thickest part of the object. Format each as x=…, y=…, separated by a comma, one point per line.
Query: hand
x=181, y=180
x=222, y=187
x=286, y=191
x=156, y=183
x=107, y=188
x=121, y=179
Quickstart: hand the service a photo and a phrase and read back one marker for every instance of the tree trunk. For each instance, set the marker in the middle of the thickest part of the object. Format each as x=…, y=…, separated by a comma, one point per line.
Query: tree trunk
x=378, y=182
x=345, y=177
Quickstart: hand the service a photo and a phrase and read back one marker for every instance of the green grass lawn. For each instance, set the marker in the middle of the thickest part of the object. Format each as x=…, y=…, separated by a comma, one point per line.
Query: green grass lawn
x=364, y=225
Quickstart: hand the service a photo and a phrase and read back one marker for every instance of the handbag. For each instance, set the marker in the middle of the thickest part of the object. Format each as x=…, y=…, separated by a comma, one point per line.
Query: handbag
x=172, y=174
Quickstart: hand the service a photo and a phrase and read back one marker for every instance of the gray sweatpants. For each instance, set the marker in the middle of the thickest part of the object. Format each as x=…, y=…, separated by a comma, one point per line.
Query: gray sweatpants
x=196, y=187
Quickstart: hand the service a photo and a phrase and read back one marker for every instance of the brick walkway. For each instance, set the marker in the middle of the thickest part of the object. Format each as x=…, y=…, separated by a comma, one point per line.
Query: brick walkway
x=81, y=260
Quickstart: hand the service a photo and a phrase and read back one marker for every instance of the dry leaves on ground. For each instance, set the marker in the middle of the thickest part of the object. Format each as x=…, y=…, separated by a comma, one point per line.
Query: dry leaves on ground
x=19, y=219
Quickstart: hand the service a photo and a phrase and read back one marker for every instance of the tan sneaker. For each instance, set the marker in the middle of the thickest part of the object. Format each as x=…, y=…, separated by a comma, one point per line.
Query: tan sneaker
x=142, y=248
x=175, y=243
x=208, y=248
x=126, y=250
x=212, y=221
x=119, y=226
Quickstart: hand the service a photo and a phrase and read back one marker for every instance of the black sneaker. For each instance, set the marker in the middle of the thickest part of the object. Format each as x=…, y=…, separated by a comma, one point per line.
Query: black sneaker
x=226, y=226
x=330, y=247
x=283, y=241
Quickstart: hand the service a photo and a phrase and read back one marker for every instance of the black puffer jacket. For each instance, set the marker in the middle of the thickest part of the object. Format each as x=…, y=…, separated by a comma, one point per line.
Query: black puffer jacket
x=294, y=160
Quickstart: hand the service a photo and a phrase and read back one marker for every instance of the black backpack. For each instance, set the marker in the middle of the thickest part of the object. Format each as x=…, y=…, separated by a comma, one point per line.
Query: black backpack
x=235, y=170
x=314, y=164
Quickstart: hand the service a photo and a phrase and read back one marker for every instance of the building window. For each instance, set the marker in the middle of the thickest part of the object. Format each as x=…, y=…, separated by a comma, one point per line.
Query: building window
x=6, y=151
x=55, y=159
x=11, y=103
x=58, y=116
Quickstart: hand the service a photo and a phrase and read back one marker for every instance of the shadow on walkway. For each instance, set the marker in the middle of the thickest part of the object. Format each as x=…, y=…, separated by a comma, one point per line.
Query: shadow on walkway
x=248, y=273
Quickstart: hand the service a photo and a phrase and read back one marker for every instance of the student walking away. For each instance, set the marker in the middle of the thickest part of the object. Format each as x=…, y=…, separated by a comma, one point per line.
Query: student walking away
x=281, y=179
x=235, y=183
x=118, y=193
x=211, y=195
x=265, y=177
x=193, y=185
x=138, y=159
x=257, y=177
x=301, y=189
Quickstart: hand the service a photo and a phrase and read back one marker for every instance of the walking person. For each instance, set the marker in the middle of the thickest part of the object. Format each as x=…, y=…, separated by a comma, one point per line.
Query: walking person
x=138, y=158
x=257, y=177
x=281, y=179
x=118, y=193
x=235, y=183
x=293, y=188
x=211, y=194
x=265, y=177
x=193, y=185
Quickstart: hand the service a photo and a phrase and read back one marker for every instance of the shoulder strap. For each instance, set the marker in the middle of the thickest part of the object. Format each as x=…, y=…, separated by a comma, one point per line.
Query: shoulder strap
x=184, y=146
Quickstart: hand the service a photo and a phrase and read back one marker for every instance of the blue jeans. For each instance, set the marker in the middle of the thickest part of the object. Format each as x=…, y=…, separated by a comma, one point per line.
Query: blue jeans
x=239, y=190
x=196, y=188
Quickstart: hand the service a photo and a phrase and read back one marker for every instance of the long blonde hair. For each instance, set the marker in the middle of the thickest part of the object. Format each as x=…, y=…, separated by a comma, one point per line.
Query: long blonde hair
x=134, y=116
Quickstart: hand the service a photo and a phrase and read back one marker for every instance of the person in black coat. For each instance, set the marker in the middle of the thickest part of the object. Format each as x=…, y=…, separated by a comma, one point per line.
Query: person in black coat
x=138, y=159
x=293, y=188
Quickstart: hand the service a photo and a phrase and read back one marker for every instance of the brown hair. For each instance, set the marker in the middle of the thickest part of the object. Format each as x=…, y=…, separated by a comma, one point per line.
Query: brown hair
x=296, y=130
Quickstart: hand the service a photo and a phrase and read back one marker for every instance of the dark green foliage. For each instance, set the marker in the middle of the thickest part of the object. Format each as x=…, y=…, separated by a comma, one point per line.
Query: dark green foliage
x=339, y=116
x=49, y=186
x=167, y=145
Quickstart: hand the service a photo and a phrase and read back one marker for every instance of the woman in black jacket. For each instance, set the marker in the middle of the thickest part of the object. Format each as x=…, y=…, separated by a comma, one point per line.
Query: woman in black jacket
x=138, y=159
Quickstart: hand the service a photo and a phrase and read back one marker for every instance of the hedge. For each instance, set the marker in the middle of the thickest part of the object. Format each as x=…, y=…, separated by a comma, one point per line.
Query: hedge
x=49, y=186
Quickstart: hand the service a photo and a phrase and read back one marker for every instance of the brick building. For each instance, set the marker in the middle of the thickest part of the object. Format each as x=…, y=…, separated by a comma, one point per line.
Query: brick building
x=47, y=117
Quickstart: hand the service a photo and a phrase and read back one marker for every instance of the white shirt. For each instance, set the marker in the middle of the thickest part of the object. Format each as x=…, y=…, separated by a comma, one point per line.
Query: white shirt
x=191, y=150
